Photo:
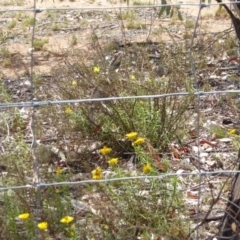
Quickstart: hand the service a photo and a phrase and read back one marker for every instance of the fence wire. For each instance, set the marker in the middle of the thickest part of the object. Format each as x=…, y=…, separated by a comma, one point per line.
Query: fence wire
x=37, y=183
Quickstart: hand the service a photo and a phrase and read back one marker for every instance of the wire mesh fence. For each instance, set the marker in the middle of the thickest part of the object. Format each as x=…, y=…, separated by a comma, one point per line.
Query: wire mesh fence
x=124, y=127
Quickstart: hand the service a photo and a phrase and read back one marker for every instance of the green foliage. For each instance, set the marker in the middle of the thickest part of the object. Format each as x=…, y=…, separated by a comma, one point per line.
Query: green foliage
x=12, y=24
x=218, y=131
x=28, y=21
x=146, y=209
x=158, y=119
x=189, y=24
x=169, y=10
x=127, y=15
x=4, y=52
x=135, y=25
x=73, y=40
x=6, y=63
x=4, y=36
x=139, y=2
x=39, y=43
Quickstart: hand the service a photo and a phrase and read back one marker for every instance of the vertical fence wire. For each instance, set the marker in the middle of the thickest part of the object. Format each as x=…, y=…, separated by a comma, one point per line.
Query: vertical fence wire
x=36, y=177
x=198, y=105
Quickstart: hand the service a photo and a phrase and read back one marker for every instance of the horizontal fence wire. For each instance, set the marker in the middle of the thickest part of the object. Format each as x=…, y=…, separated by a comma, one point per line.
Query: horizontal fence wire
x=38, y=184
x=162, y=176
x=89, y=100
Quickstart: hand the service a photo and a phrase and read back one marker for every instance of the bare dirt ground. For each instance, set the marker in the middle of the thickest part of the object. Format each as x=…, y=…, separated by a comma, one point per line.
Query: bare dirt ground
x=58, y=28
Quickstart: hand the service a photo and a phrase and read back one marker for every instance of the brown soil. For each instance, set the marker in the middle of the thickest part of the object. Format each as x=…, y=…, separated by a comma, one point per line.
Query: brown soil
x=60, y=27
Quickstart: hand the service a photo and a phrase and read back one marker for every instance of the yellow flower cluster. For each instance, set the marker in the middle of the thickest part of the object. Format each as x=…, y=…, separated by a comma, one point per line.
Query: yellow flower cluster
x=133, y=136
x=44, y=225
x=232, y=131
x=113, y=161
x=138, y=141
x=97, y=174
x=68, y=110
x=67, y=219
x=24, y=216
x=58, y=170
x=74, y=83
x=96, y=69
x=147, y=168
x=105, y=150
x=132, y=77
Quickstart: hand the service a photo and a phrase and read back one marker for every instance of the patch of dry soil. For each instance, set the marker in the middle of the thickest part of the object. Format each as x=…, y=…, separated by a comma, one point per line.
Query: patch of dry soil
x=61, y=26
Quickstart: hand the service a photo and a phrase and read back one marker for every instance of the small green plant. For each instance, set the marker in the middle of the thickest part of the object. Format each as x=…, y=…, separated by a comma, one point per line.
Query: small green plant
x=208, y=16
x=4, y=36
x=12, y=24
x=6, y=63
x=4, y=53
x=189, y=24
x=187, y=35
x=55, y=27
x=135, y=25
x=83, y=22
x=53, y=15
x=107, y=16
x=39, y=43
x=230, y=46
x=28, y=21
x=127, y=15
x=218, y=131
x=73, y=40
x=157, y=31
x=139, y=2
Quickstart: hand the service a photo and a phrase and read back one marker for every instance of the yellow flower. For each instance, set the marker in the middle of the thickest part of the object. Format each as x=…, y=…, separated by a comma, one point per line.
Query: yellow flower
x=147, y=168
x=96, y=69
x=105, y=150
x=131, y=135
x=113, y=161
x=66, y=219
x=43, y=226
x=97, y=177
x=132, y=77
x=97, y=171
x=58, y=170
x=74, y=83
x=68, y=110
x=232, y=131
x=105, y=226
x=57, y=190
x=24, y=216
x=97, y=174
x=139, y=141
